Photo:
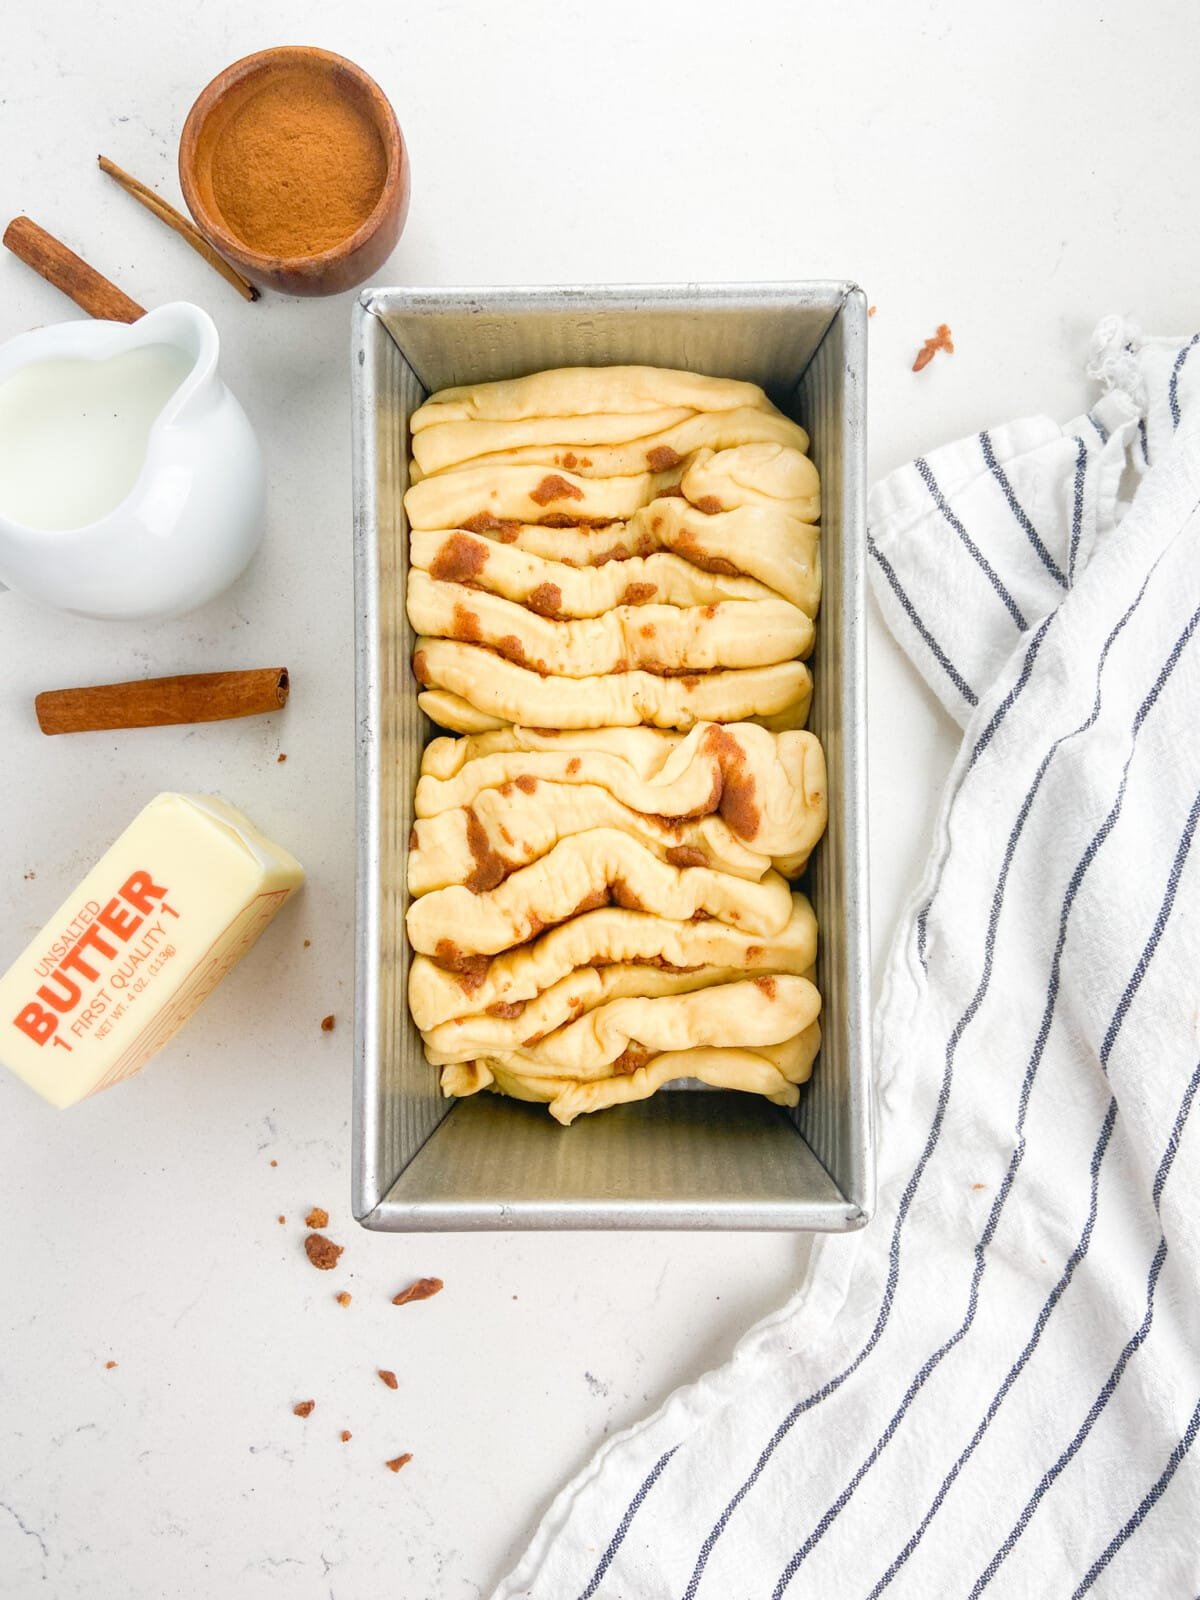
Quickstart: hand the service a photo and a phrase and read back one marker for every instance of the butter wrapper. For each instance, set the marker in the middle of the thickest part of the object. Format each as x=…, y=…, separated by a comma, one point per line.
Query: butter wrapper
x=150, y=932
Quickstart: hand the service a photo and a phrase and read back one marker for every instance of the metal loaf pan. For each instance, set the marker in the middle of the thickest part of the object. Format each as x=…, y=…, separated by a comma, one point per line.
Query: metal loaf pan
x=692, y=1158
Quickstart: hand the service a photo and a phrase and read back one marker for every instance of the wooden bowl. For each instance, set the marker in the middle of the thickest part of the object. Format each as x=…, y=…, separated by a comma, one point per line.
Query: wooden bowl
x=349, y=260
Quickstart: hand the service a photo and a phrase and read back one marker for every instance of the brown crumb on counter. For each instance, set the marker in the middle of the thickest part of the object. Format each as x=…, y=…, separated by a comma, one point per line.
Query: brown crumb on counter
x=979, y=1186
x=281, y=1219
x=343, y=1299
x=317, y=1218
x=327, y=1023
x=304, y=1408
x=282, y=756
x=308, y=944
x=274, y=1163
x=109, y=1365
x=29, y=876
x=871, y=310
x=322, y=1252
x=397, y=1462
x=940, y=341
x=346, y=1436
x=421, y=1290
x=388, y=1377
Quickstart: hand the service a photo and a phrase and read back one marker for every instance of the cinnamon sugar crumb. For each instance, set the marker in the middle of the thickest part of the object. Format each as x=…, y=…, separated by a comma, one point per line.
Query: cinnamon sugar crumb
x=343, y=1299
x=346, y=1436
x=421, y=1290
x=281, y=757
x=871, y=310
x=274, y=1163
x=109, y=1365
x=281, y=1219
x=304, y=1408
x=327, y=1023
x=397, y=1462
x=322, y=1252
x=308, y=944
x=940, y=341
x=317, y=1218
x=389, y=1378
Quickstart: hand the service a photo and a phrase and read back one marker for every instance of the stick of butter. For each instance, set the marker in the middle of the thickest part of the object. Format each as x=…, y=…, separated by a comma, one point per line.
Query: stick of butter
x=150, y=932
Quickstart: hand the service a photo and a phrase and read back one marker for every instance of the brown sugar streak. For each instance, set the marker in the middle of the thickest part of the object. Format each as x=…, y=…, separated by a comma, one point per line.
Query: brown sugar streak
x=458, y=560
x=735, y=797
x=465, y=625
x=555, y=487
x=504, y=528
x=686, y=855
x=491, y=868
x=546, y=600
x=689, y=548
x=631, y=1058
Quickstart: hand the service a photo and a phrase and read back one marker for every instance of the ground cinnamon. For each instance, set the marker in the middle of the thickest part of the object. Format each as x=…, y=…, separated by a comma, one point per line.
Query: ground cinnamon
x=298, y=167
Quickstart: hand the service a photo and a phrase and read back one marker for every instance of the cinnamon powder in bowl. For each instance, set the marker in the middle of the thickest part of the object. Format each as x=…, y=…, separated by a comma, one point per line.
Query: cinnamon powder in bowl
x=294, y=167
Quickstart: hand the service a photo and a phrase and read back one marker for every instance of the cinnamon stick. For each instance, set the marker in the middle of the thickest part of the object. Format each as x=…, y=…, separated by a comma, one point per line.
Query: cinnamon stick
x=183, y=226
x=50, y=258
x=163, y=702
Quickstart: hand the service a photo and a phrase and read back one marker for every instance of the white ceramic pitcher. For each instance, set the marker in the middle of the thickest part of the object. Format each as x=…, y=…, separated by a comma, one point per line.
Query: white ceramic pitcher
x=194, y=516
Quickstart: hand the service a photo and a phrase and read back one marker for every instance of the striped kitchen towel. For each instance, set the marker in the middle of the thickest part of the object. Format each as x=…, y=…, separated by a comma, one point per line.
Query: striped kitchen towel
x=995, y=1388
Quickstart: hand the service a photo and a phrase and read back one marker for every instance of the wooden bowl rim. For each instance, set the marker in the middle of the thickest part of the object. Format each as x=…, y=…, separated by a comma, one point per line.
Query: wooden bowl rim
x=225, y=82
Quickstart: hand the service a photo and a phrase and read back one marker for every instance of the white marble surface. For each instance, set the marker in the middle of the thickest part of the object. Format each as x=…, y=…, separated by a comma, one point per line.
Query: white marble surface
x=1016, y=171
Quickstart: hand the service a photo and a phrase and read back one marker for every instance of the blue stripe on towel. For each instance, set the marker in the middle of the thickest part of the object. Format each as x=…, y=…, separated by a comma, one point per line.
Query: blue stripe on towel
x=1018, y=511
x=972, y=549
x=910, y=611
x=618, y=1537
x=1149, y=1501
x=1081, y=461
x=1173, y=386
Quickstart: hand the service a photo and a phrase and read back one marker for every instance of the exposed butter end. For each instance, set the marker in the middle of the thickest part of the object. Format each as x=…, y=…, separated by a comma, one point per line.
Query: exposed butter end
x=130, y=955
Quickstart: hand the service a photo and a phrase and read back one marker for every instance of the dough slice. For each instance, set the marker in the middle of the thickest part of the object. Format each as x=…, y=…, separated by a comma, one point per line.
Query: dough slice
x=643, y=750
x=442, y=446
x=654, y=449
x=507, y=1028
x=771, y=475
x=481, y=844
x=624, y=1034
x=506, y=692
x=586, y=391
x=730, y=634
x=528, y=494
x=770, y=788
x=460, y=716
x=751, y=1071
x=601, y=938
x=552, y=588
x=769, y=544
x=582, y=873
